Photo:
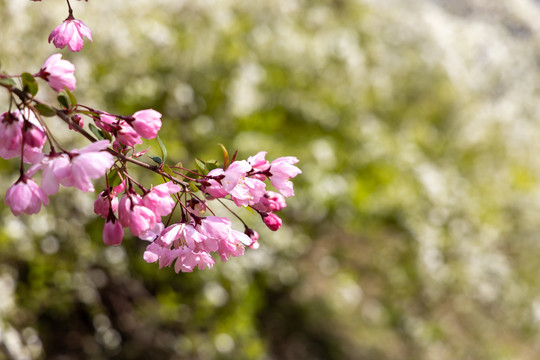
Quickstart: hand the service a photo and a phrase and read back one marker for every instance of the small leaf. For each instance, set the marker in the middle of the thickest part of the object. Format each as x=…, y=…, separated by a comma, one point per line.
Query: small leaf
x=211, y=165
x=7, y=81
x=156, y=159
x=168, y=170
x=113, y=179
x=72, y=98
x=163, y=149
x=44, y=110
x=193, y=187
x=201, y=166
x=96, y=131
x=62, y=99
x=30, y=84
x=226, y=160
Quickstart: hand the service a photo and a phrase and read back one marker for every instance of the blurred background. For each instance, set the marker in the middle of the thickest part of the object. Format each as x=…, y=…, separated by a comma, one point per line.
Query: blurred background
x=414, y=232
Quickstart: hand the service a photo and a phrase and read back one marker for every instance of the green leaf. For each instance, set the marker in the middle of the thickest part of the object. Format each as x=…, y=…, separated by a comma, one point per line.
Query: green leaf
x=211, y=165
x=113, y=179
x=156, y=159
x=44, y=110
x=8, y=81
x=201, y=166
x=72, y=98
x=193, y=187
x=62, y=99
x=96, y=131
x=30, y=84
x=226, y=160
x=163, y=149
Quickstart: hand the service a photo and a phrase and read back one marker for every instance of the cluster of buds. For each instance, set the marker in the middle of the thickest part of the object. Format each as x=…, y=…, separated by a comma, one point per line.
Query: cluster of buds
x=176, y=216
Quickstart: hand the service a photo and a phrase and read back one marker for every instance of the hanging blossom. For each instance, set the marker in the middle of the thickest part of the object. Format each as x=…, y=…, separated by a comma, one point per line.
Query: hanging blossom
x=71, y=33
x=74, y=169
x=25, y=196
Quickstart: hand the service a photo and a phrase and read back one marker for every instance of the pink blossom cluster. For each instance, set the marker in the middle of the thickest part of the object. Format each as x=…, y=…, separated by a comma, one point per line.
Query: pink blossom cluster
x=244, y=182
x=174, y=216
x=129, y=130
x=191, y=244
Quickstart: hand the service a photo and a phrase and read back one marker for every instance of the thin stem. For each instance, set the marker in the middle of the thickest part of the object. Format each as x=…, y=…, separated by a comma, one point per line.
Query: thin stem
x=232, y=212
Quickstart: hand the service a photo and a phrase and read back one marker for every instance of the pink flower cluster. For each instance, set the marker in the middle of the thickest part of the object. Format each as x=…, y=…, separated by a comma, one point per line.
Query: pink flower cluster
x=244, y=180
x=129, y=130
x=191, y=244
x=18, y=128
x=188, y=240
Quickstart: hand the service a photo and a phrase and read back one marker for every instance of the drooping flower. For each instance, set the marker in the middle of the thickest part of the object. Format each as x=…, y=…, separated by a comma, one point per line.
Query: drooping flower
x=105, y=202
x=133, y=214
x=75, y=169
x=126, y=135
x=25, y=196
x=113, y=232
x=70, y=33
x=58, y=73
x=159, y=198
x=282, y=169
x=147, y=123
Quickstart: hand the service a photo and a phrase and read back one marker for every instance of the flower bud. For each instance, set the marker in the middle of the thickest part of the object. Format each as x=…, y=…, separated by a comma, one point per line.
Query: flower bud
x=113, y=232
x=272, y=221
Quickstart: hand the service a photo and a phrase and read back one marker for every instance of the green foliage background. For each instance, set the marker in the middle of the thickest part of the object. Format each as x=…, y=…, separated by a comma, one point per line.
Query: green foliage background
x=414, y=230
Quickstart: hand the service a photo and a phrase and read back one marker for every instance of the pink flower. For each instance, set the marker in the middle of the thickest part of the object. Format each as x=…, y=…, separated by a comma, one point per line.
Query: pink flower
x=271, y=201
x=215, y=189
x=133, y=214
x=75, y=169
x=126, y=135
x=113, y=232
x=282, y=170
x=25, y=196
x=153, y=233
x=70, y=33
x=233, y=245
x=159, y=198
x=258, y=161
x=272, y=221
x=106, y=122
x=254, y=236
x=91, y=162
x=185, y=234
x=147, y=123
x=243, y=190
x=59, y=73
x=189, y=259
x=105, y=203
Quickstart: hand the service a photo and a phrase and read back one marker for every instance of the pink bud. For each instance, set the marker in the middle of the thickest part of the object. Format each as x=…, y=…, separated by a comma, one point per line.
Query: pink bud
x=59, y=73
x=272, y=221
x=113, y=232
x=147, y=123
